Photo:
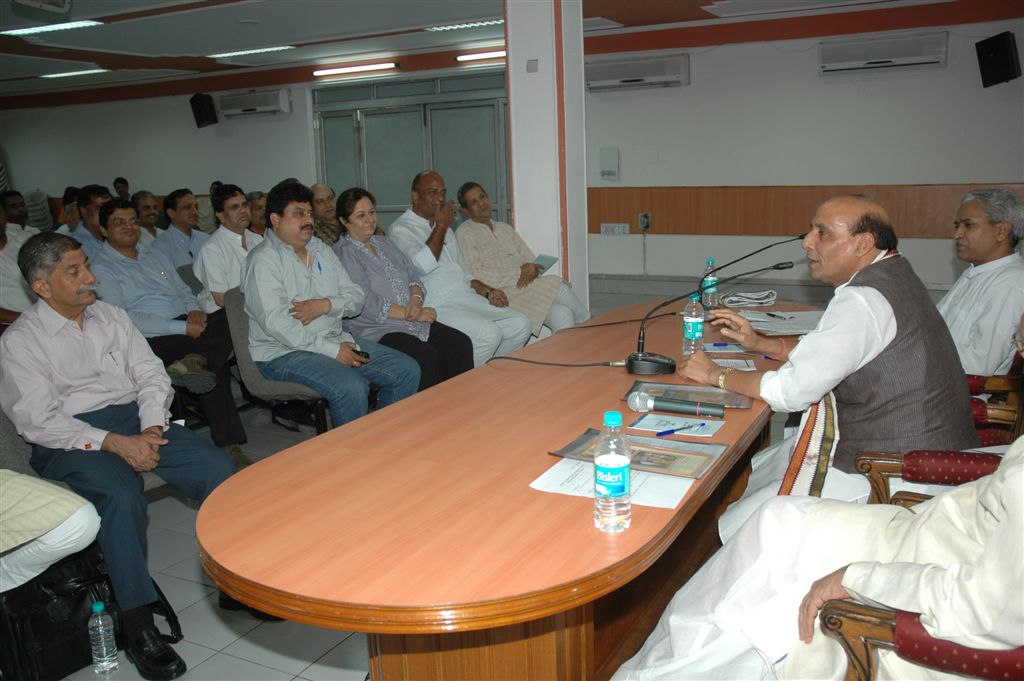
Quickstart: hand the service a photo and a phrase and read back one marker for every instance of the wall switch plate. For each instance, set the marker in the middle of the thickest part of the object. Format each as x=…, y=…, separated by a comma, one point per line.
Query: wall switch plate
x=644, y=221
x=615, y=228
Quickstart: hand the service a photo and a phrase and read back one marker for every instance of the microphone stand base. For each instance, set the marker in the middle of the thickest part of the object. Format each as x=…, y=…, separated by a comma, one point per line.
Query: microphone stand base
x=649, y=364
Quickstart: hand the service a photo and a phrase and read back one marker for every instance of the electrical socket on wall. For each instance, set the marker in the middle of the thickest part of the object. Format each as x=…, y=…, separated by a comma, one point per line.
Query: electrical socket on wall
x=615, y=229
x=643, y=221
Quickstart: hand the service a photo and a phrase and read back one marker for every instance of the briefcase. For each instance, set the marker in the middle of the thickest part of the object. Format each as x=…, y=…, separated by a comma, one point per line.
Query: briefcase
x=44, y=633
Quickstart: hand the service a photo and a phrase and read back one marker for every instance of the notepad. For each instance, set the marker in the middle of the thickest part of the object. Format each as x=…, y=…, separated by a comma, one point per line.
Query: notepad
x=545, y=262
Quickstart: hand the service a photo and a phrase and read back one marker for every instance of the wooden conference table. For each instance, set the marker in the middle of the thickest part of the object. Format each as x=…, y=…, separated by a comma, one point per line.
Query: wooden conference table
x=417, y=524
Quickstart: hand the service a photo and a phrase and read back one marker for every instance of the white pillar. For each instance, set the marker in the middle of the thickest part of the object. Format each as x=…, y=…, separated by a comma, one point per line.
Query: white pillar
x=544, y=40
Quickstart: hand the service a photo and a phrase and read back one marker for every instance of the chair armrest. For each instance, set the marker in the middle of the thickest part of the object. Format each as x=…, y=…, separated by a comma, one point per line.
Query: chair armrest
x=879, y=467
x=914, y=644
x=860, y=630
x=948, y=467
x=908, y=499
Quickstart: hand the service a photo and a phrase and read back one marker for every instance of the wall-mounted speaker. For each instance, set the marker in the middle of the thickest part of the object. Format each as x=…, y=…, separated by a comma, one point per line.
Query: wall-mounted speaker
x=203, y=109
x=998, y=59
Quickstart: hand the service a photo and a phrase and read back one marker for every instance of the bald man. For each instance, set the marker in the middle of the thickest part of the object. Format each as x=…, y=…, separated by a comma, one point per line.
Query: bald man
x=881, y=349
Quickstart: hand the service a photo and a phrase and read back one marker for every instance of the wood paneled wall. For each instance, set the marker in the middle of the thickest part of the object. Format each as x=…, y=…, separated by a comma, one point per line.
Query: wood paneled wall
x=922, y=210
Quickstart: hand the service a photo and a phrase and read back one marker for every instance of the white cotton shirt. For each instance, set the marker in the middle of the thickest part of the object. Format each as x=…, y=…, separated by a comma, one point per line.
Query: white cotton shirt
x=982, y=311
x=220, y=262
x=446, y=277
x=857, y=325
x=15, y=294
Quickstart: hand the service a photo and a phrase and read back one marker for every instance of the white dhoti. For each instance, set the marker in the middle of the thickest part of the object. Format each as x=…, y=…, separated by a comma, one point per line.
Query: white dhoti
x=495, y=331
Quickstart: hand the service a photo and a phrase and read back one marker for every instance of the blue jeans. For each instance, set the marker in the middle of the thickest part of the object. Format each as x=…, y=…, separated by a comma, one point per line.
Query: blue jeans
x=346, y=388
x=191, y=463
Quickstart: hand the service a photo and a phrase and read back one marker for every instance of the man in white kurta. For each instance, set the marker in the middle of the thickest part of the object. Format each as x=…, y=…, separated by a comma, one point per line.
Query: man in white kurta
x=956, y=559
x=987, y=301
x=499, y=257
x=221, y=259
x=480, y=311
x=878, y=368
x=15, y=295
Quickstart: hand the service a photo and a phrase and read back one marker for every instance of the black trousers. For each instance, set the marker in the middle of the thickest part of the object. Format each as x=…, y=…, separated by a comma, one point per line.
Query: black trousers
x=215, y=345
x=447, y=352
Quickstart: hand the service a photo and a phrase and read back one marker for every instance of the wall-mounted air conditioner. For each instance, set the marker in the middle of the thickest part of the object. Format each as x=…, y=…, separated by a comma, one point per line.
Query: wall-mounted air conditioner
x=919, y=49
x=637, y=69
x=254, y=102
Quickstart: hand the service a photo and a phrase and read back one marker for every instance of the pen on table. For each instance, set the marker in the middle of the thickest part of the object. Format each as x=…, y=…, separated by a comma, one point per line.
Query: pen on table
x=663, y=433
x=778, y=316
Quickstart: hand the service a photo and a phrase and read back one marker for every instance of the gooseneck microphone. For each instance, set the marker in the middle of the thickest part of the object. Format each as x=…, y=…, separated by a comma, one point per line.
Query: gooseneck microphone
x=643, y=402
x=651, y=363
x=700, y=284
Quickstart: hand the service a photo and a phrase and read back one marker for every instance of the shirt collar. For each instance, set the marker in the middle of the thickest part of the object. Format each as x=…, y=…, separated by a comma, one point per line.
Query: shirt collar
x=978, y=270
x=53, y=321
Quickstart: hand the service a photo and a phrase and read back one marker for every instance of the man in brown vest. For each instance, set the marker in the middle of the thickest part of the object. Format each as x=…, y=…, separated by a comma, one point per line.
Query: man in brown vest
x=881, y=349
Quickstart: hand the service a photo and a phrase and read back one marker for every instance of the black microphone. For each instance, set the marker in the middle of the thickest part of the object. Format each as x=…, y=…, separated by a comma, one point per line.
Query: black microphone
x=653, y=364
x=643, y=402
x=700, y=284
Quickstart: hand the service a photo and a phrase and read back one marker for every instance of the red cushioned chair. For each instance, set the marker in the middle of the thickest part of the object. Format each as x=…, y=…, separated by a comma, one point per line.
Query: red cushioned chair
x=863, y=629
x=1000, y=420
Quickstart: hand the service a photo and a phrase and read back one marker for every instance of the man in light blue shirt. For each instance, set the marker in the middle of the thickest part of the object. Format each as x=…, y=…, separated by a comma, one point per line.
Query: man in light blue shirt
x=181, y=241
x=144, y=282
x=87, y=232
x=296, y=295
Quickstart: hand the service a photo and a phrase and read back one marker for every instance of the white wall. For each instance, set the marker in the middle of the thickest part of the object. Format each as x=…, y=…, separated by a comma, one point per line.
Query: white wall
x=156, y=145
x=759, y=114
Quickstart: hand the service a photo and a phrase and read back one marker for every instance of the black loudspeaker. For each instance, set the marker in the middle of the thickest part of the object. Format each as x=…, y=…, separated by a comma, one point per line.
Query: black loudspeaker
x=203, y=109
x=998, y=59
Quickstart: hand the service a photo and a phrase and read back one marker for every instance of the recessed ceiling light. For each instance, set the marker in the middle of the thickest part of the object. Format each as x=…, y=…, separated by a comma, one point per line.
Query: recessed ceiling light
x=468, y=24
x=67, y=25
x=356, y=69
x=261, y=50
x=73, y=73
x=480, y=55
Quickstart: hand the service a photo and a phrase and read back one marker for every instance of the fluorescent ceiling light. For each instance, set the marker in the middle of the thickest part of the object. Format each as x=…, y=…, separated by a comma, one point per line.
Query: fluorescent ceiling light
x=469, y=24
x=261, y=50
x=46, y=28
x=480, y=55
x=356, y=69
x=73, y=73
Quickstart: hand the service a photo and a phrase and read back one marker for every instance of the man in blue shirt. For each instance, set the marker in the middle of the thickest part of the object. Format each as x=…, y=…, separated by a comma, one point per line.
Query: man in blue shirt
x=144, y=282
x=182, y=239
x=87, y=232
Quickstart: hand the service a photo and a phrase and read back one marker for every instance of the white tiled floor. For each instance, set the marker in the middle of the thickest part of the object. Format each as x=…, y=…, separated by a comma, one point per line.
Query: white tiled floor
x=222, y=645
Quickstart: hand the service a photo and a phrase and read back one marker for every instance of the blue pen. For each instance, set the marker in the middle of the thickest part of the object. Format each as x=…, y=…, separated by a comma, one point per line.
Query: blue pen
x=663, y=433
x=720, y=345
x=319, y=267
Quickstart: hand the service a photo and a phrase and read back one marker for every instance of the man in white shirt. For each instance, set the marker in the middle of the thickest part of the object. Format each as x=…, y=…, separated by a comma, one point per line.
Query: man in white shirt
x=498, y=256
x=81, y=384
x=881, y=349
x=15, y=295
x=985, y=303
x=751, y=611
x=17, y=212
x=144, y=203
x=296, y=295
x=480, y=311
x=182, y=239
x=221, y=259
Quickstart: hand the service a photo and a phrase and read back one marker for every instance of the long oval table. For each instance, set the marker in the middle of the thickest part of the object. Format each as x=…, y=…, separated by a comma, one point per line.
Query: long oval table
x=417, y=524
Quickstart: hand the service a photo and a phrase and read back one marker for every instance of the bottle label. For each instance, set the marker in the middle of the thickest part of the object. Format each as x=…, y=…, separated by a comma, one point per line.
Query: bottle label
x=693, y=329
x=612, y=480
x=711, y=285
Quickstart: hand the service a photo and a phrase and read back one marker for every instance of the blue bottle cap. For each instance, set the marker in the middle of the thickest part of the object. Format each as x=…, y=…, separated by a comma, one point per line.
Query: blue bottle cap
x=711, y=261
x=612, y=419
x=98, y=606
x=694, y=296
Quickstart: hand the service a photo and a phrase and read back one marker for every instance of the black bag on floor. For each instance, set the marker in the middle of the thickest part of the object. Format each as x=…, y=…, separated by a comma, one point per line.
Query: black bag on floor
x=44, y=634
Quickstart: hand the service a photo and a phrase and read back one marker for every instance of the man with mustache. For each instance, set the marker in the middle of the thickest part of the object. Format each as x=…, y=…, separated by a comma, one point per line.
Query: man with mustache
x=144, y=204
x=985, y=303
x=304, y=340
x=81, y=384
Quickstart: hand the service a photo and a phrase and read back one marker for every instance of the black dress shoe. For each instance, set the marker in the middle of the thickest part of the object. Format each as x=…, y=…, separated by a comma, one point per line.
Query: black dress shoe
x=154, y=657
x=229, y=603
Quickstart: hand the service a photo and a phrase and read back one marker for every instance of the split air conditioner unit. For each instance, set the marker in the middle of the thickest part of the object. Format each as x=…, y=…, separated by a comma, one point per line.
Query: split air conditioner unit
x=254, y=102
x=920, y=49
x=637, y=69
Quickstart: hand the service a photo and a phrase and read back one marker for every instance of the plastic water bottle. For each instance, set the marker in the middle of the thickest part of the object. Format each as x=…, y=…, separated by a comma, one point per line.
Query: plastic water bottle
x=710, y=289
x=611, y=476
x=693, y=326
x=101, y=637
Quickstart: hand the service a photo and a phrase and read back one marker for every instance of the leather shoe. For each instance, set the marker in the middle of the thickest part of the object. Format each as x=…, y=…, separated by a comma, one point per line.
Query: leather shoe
x=154, y=657
x=229, y=603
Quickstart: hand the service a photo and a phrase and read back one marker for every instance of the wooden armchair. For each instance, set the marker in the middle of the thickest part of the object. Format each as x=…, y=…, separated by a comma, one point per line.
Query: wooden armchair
x=864, y=629
x=1000, y=420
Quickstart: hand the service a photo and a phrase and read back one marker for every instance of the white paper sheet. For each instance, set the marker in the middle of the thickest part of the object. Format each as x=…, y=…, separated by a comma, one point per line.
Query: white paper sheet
x=658, y=422
x=576, y=478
